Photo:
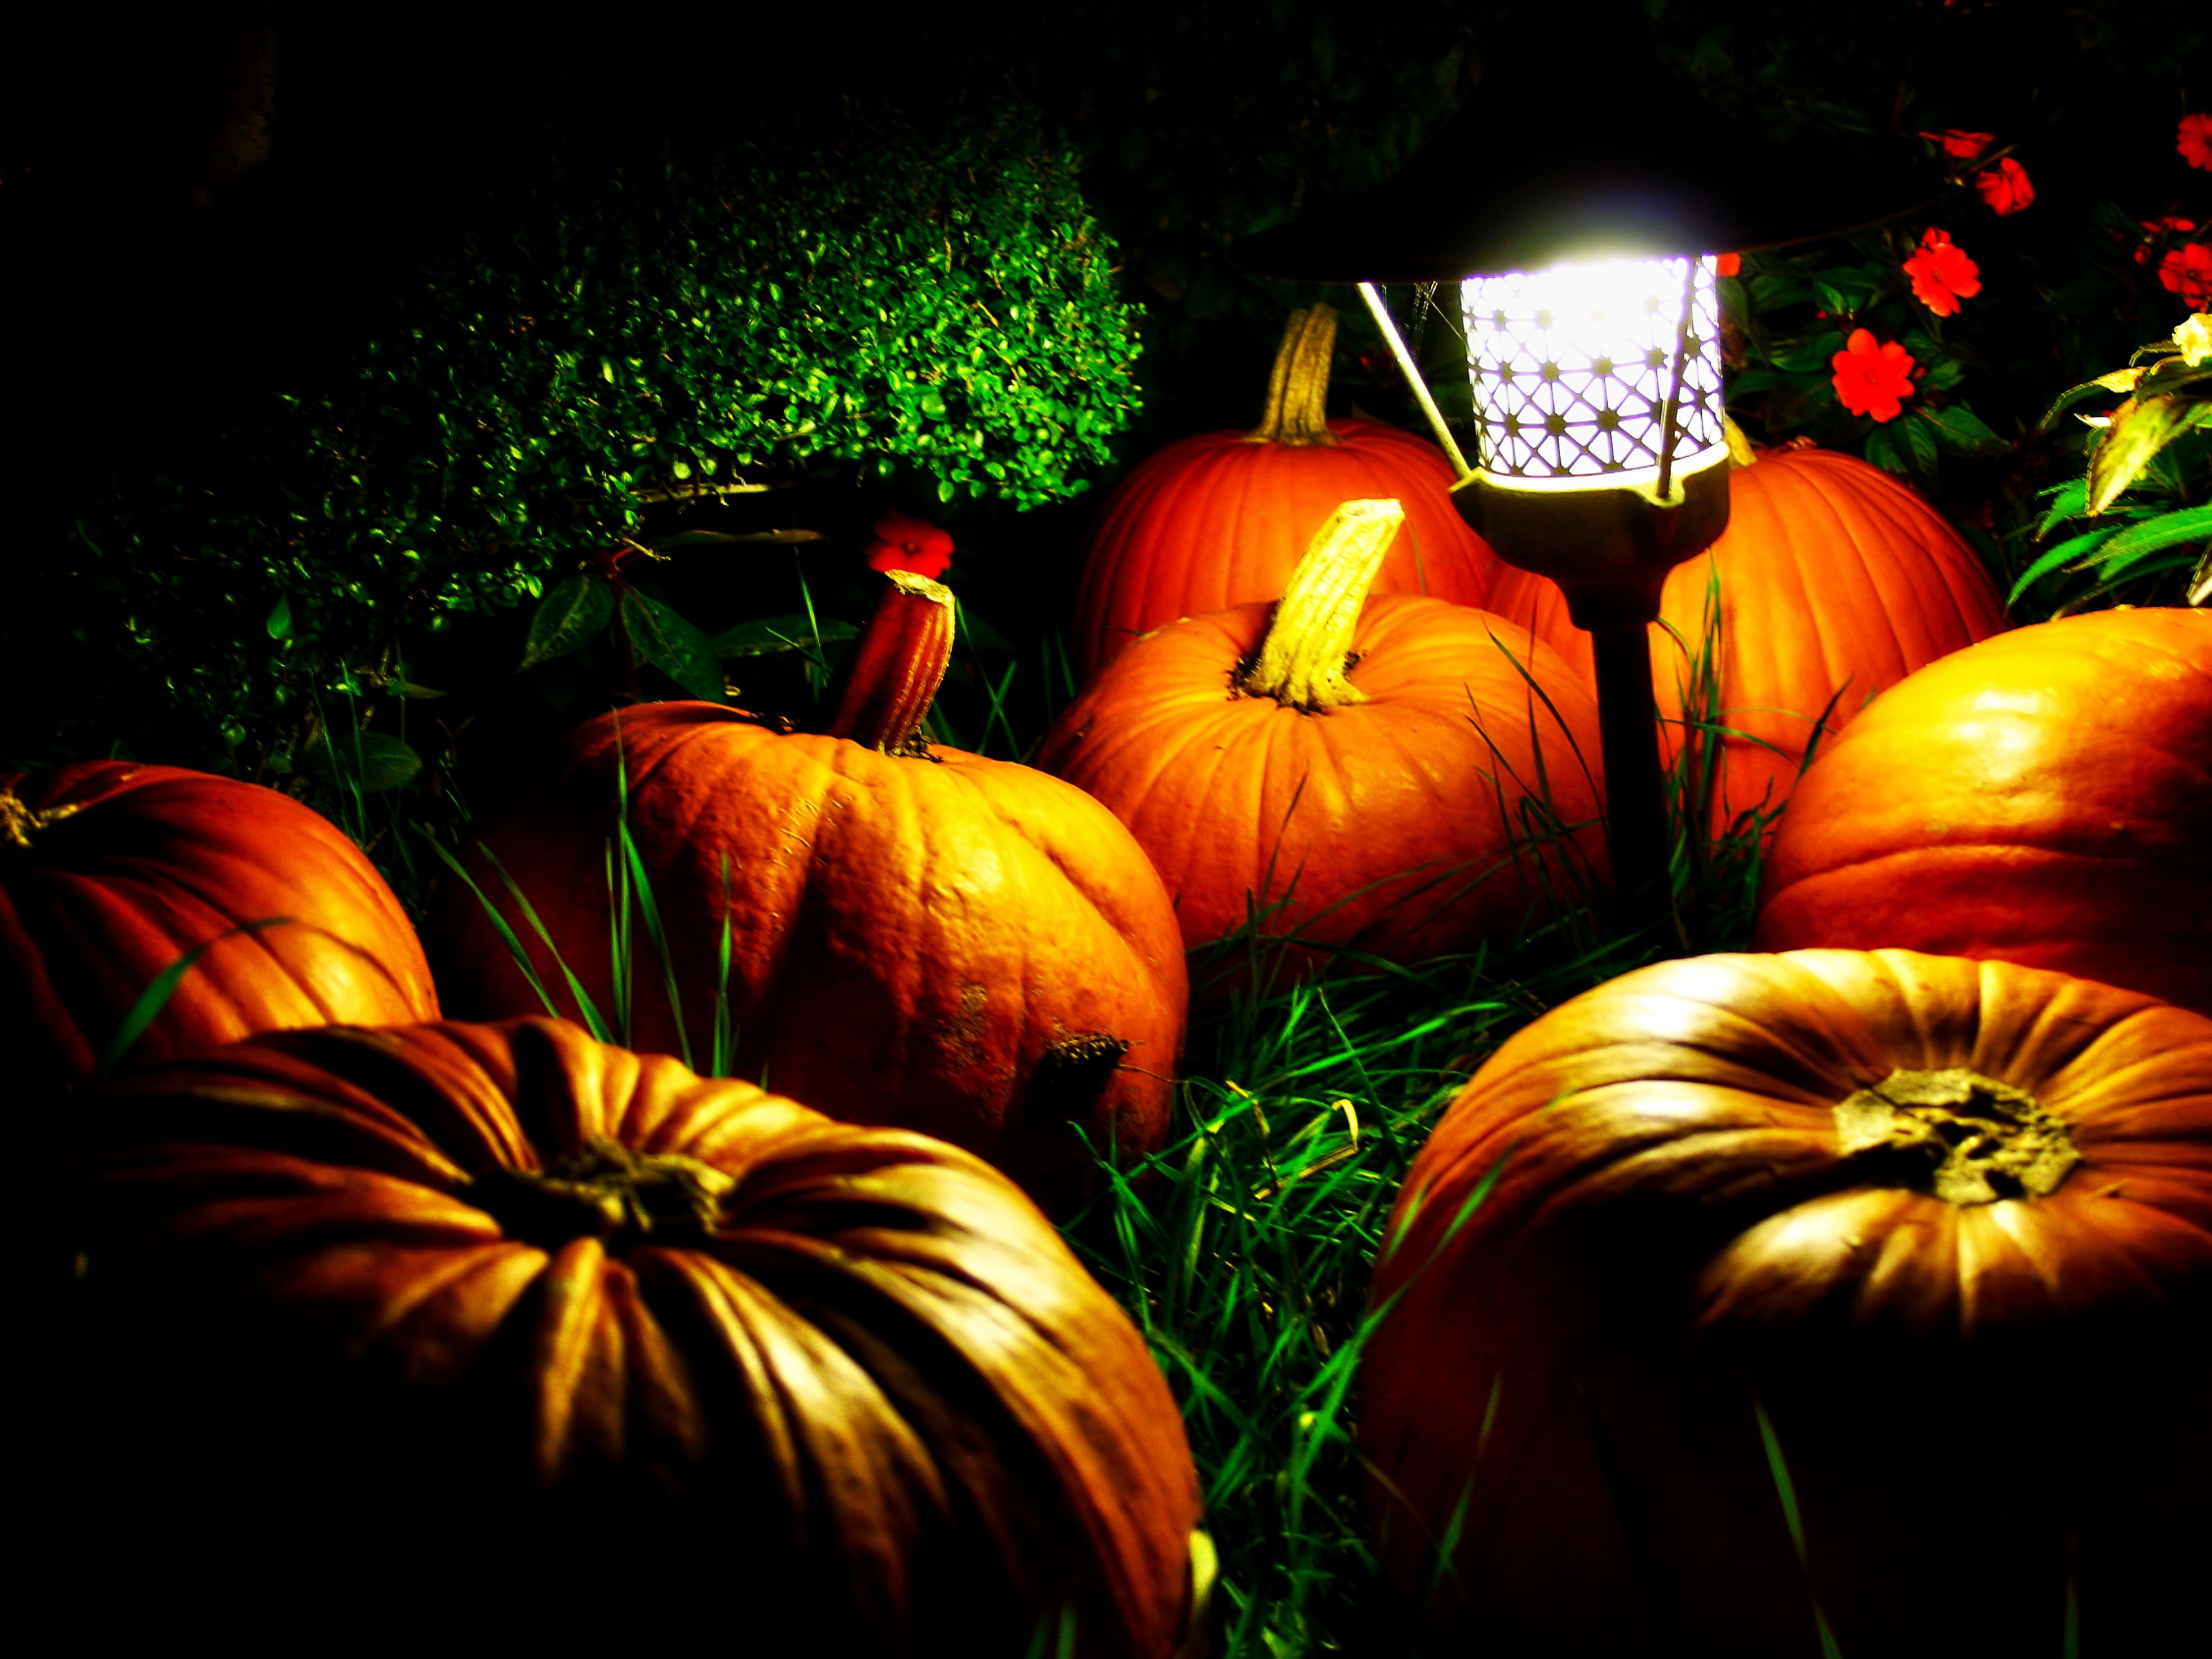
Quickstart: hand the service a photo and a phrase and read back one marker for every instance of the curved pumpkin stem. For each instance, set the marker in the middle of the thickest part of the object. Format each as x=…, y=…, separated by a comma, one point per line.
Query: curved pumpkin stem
x=1297, y=390
x=18, y=822
x=1741, y=453
x=896, y=665
x=1301, y=662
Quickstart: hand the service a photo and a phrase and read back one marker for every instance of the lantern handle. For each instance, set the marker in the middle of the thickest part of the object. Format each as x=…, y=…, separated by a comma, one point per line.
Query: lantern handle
x=1420, y=388
x=1674, y=422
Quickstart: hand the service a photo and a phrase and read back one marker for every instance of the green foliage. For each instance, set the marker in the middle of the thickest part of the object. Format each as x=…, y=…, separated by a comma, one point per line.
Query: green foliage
x=613, y=339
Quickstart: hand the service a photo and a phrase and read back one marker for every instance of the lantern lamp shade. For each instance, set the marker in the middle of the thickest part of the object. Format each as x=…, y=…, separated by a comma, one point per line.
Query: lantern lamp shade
x=1575, y=366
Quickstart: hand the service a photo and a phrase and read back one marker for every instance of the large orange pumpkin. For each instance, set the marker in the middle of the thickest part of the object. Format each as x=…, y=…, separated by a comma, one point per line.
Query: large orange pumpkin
x=2044, y=797
x=1219, y=518
x=376, y=1327
x=1756, y=1306
x=915, y=935
x=1439, y=791
x=1835, y=580
x=111, y=872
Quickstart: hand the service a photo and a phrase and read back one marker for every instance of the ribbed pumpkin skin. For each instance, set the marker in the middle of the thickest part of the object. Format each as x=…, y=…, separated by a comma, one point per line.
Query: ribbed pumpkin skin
x=1219, y=519
x=1837, y=580
x=908, y=936
x=1674, y=1239
x=2044, y=796
x=156, y=861
x=874, y=1399
x=1389, y=817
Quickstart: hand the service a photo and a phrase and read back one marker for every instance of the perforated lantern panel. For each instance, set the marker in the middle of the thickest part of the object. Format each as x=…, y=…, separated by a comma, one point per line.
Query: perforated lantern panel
x=1572, y=365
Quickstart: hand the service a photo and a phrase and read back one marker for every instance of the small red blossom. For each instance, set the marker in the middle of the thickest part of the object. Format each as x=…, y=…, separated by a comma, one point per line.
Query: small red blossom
x=1960, y=146
x=1871, y=379
x=1942, y=273
x=2194, y=140
x=2187, y=270
x=1726, y=265
x=2155, y=230
x=905, y=544
x=2005, y=187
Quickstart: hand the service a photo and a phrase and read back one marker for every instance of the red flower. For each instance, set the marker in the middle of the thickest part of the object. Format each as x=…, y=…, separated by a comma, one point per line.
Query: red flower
x=1871, y=379
x=1941, y=274
x=1960, y=146
x=1726, y=265
x=2194, y=141
x=2155, y=230
x=2005, y=187
x=904, y=544
x=2187, y=270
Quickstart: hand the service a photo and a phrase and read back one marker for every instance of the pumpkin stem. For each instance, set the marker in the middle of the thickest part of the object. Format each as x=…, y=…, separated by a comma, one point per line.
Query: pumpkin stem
x=1740, y=452
x=1297, y=390
x=18, y=822
x=1964, y=1137
x=883, y=693
x=607, y=1192
x=1302, y=661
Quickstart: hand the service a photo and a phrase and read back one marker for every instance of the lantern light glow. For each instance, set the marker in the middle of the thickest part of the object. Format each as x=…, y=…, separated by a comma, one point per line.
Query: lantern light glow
x=1574, y=368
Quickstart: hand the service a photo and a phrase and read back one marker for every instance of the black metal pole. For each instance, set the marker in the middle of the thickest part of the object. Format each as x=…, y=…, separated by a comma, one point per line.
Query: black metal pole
x=1635, y=808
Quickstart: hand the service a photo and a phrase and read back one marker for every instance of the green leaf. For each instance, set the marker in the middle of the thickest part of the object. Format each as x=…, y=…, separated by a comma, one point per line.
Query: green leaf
x=370, y=762
x=1918, y=439
x=1961, y=431
x=2139, y=540
x=675, y=646
x=571, y=612
x=2066, y=503
x=771, y=634
x=280, y=618
x=1882, y=450
x=2065, y=553
x=2132, y=441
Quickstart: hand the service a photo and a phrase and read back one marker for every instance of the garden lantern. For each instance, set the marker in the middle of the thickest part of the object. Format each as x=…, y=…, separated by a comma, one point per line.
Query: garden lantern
x=1579, y=237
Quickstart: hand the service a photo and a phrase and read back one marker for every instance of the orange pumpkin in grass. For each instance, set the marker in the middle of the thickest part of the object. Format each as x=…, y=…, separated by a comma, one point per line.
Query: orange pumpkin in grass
x=2044, y=796
x=1835, y=580
x=111, y=872
x=1403, y=779
x=1219, y=518
x=1931, y=1237
x=916, y=936
x=496, y=1329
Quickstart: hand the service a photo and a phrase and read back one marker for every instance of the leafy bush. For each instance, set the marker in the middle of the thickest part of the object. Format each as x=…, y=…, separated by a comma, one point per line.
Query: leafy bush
x=613, y=339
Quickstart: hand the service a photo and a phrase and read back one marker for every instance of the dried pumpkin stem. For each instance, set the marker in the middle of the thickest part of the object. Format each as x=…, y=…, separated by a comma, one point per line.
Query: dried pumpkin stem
x=1966, y=1138
x=1297, y=391
x=1302, y=661
x=896, y=665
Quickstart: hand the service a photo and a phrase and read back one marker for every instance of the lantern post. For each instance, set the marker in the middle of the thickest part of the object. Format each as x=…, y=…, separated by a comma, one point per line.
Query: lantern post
x=1578, y=241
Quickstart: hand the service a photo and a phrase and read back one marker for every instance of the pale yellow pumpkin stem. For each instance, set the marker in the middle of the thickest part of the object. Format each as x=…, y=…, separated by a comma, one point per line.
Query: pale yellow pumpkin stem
x=1301, y=662
x=18, y=822
x=1297, y=391
x=898, y=662
x=1740, y=452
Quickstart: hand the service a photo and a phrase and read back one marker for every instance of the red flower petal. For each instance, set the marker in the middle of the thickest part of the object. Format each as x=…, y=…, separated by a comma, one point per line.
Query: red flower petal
x=2194, y=140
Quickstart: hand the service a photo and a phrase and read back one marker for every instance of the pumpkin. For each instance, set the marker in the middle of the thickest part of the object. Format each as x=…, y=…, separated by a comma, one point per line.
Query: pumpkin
x=1835, y=580
x=1218, y=519
x=1436, y=792
x=612, y=1343
x=2044, y=797
x=1765, y=1305
x=914, y=935
x=112, y=872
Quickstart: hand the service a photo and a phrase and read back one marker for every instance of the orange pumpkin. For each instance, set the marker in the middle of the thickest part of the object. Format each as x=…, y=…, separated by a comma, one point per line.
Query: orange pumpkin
x=1219, y=518
x=395, y=1313
x=2044, y=796
x=111, y=872
x=916, y=936
x=1436, y=792
x=1835, y=580
x=1930, y=1240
